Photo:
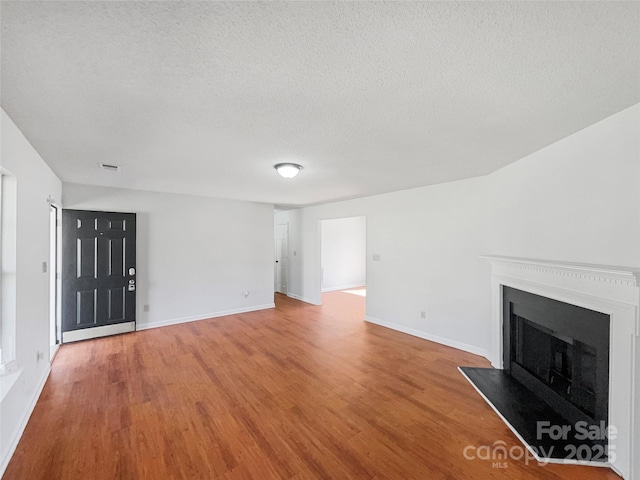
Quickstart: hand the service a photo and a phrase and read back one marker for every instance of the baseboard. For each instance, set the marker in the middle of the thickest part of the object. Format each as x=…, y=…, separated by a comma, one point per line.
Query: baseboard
x=433, y=338
x=343, y=287
x=204, y=316
x=18, y=434
x=303, y=299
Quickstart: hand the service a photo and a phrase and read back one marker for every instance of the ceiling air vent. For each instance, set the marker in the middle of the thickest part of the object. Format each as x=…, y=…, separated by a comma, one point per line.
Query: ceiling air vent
x=109, y=168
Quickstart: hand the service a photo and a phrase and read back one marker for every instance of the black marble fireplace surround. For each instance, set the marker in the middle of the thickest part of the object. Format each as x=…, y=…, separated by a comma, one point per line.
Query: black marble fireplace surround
x=555, y=376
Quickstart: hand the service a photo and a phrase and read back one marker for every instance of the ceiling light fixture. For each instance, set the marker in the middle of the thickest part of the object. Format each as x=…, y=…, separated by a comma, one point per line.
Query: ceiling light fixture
x=288, y=170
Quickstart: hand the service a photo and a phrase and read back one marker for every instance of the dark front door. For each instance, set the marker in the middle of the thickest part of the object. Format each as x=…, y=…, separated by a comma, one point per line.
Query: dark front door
x=98, y=274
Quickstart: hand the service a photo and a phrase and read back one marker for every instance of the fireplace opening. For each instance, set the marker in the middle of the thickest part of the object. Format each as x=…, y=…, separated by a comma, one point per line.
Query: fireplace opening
x=560, y=352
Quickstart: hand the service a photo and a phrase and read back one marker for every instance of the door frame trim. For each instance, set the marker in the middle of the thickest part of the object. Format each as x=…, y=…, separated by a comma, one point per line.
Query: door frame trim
x=55, y=280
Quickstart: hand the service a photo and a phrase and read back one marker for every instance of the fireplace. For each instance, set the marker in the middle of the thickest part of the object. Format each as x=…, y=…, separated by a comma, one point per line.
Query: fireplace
x=554, y=384
x=560, y=352
x=564, y=342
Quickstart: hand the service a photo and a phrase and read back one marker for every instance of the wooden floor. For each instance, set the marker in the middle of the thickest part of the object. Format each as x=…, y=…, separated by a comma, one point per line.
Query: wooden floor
x=296, y=392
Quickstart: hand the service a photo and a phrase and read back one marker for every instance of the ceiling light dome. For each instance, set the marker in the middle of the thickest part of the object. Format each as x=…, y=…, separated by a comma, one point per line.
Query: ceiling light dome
x=288, y=170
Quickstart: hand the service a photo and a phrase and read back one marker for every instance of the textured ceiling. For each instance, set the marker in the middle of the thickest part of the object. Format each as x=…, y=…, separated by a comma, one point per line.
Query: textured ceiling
x=205, y=97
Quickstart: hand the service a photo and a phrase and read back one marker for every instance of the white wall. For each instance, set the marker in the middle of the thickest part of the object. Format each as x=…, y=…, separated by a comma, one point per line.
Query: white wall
x=35, y=182
x=196, y=256
x=576, y=200
x=343, y=253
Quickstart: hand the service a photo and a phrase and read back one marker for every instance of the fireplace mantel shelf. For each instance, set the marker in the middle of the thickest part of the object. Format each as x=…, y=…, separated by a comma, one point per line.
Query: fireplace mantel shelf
x=628, y=276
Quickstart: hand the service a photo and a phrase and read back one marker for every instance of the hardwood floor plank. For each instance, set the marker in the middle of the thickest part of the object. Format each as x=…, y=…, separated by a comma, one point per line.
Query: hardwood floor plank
x=298, y=392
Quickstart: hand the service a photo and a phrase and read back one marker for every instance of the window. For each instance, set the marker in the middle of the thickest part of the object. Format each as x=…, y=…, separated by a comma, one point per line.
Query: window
x=8, y=223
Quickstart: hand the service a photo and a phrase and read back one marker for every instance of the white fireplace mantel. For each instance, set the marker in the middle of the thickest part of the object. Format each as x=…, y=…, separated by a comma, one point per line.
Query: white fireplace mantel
x=611, y=290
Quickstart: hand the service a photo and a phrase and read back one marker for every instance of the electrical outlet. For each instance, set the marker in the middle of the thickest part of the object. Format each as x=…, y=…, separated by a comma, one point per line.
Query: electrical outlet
x=45, y=268
x=39, y=356
x=423, y=315
x=145, y=308
x=376, y=257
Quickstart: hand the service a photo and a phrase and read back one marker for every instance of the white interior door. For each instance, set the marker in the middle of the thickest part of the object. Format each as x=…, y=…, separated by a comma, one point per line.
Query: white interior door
x=282, y=257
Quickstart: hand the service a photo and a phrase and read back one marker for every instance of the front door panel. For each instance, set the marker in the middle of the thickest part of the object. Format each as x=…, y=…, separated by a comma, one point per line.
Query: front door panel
x=98, y=274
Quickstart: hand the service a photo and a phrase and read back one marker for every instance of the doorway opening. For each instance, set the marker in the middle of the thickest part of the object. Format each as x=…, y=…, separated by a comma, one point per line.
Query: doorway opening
x=343, y=255
x=281, y=275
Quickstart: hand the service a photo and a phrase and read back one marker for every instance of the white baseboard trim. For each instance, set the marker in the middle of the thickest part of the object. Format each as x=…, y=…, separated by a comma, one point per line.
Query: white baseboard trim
x=23, y=424
x=343, y=287
x=433, y=338
x=303, y=299
x=204, y=316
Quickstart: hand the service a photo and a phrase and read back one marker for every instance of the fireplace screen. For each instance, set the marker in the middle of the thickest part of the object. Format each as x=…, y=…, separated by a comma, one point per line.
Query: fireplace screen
x=565, y=365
